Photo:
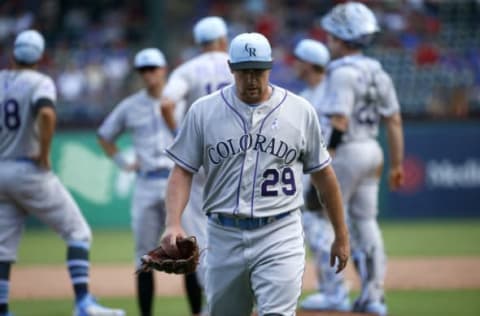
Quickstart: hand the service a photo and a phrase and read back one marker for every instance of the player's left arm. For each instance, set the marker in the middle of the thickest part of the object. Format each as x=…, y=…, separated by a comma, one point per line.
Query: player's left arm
x=43, y=109
x=325, y=181
x=396, y=149
x=167, y=108
x=46, y=120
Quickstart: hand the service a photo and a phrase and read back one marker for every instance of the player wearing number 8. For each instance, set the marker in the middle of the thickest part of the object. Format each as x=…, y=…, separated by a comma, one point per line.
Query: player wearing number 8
x=27, y=185
x=252, y=196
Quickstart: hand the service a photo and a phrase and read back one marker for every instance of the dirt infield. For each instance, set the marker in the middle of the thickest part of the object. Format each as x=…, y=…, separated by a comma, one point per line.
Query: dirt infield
x=118, y=280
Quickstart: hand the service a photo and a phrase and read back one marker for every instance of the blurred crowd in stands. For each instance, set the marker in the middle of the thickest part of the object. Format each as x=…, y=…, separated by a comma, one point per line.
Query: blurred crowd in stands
x=430, y=47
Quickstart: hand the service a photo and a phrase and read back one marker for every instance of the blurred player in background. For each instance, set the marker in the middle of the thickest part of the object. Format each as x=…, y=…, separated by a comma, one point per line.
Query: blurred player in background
x=311, y=60
x=198, y=77
x=27, y=184
x=359, y=93
x=152, y=132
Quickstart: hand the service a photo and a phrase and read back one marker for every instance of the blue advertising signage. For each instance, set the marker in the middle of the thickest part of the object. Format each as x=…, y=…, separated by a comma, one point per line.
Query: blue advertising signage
x=442, y=172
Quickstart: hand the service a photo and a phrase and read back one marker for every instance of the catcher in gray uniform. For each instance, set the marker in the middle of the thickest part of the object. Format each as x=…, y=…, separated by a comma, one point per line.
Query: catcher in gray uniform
x=152, y=132
x=254, y=140
x=359, y=94
x=27, y=184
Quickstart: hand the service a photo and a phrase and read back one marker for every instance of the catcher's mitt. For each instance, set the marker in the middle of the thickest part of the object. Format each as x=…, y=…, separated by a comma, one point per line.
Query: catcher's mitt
x=186, y=263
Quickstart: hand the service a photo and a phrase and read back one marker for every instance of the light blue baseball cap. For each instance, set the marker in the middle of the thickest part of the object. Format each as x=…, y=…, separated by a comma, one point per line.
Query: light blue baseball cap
x=149, y=57
x=313, y=52
x=250, y=51
x=28, y=47
x=209, y=29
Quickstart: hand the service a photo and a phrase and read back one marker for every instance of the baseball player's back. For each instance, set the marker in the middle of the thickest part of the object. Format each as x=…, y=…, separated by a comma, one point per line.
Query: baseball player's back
x=27, y=185
x=199, y=76
x=360, y=89
x=19, y=91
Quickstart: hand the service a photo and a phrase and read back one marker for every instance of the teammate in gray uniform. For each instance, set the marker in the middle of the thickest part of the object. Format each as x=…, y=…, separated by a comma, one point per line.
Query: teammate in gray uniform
x=254, y=140
x=198, y=77
x=152, y=132
x=27, y=185
x=359, y=93
x=311, y=60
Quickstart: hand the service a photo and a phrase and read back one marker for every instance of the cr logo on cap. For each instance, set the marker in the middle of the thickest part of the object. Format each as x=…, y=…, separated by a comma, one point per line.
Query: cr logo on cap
x=250, y=50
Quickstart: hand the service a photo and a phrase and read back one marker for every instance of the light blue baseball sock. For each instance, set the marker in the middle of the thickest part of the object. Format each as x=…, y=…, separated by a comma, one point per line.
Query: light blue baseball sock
x=4, y=286
x=78, y=267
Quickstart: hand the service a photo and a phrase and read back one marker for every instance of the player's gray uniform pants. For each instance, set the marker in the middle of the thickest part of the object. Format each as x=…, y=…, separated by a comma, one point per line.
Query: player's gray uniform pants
x=26, y=190
x=194, y=220
x=357, y=165
x=263, y=266
x=148, y=214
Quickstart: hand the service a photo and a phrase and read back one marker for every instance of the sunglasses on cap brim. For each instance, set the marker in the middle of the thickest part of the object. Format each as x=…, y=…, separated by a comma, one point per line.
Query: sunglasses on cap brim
x=147, y=68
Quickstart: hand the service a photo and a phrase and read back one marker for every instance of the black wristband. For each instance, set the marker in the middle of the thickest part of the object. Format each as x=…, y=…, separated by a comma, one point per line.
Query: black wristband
x=335, y=139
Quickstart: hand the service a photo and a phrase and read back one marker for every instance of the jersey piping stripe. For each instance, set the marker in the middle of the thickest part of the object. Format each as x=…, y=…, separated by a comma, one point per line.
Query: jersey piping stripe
x=237, y=203
x=318, y=167
x=181, y=162
x=258, y=152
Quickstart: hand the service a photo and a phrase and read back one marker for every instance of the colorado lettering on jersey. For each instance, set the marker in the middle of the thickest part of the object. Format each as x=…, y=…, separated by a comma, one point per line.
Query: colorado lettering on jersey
x=258, y=142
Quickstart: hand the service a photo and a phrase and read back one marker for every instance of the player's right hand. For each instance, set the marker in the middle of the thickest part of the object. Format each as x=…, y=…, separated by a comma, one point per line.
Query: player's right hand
x=168, y=241
x=396, y=177
x=340, y=252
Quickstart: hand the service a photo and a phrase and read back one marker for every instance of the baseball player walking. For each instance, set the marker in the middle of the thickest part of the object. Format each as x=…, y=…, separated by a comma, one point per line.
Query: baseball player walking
x=311, y=60
x=254, y=140
x=359, y=93
x=198, y=77
x=151, y=131
x=27, y=185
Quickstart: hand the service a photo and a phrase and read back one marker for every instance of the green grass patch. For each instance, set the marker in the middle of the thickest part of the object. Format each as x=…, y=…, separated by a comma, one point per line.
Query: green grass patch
x=440, y=238
x=168, y=306
x=42, y=246
x=400, y=303
x=427, y=238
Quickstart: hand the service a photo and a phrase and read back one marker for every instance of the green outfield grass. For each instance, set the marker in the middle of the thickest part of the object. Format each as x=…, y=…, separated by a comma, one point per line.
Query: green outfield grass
x=401, y=303
x=439, y=238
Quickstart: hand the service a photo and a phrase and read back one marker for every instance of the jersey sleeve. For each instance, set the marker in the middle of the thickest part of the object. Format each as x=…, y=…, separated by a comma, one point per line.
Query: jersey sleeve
x=187, y=149
x=45, y=90
x=177, y=86
x=114, y=124
x=388, y=104
x=339, y=92
x=315, y=156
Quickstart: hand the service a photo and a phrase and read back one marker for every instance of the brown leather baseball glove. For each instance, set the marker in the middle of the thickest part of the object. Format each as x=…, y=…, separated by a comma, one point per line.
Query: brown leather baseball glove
x=186, y=263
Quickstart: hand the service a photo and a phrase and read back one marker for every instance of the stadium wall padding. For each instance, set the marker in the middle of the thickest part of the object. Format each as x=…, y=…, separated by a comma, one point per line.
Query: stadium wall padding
x=442, y=174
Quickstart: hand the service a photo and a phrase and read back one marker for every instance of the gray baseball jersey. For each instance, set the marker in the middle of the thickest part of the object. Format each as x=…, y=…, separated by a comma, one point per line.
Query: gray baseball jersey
x=360, y=89
x=254, y=157
x=140, y=115
x=19, y=90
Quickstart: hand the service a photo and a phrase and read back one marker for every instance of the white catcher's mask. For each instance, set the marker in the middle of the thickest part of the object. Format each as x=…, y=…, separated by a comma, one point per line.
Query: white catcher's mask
x=352, y=22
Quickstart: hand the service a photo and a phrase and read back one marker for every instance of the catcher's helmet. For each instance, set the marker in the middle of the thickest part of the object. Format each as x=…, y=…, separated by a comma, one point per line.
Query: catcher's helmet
x=352, y=22
x=28, y=47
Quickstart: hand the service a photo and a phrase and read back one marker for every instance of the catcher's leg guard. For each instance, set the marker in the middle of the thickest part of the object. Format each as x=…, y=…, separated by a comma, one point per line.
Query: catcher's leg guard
x=369, y=257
